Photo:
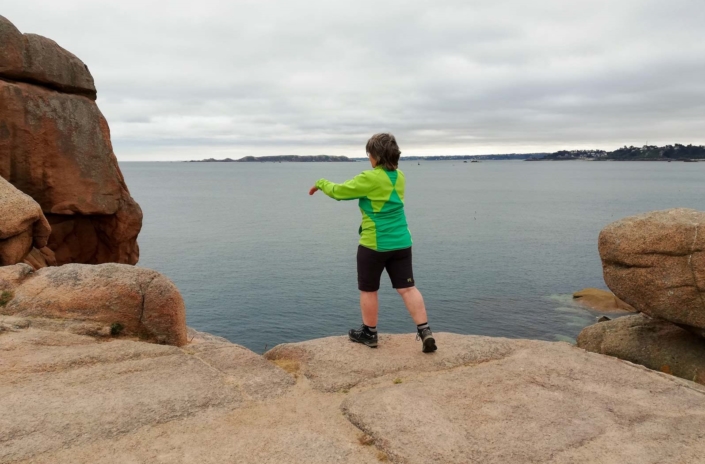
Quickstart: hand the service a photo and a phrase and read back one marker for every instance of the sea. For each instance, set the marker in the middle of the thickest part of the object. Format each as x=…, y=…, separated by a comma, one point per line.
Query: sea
x=499, y=246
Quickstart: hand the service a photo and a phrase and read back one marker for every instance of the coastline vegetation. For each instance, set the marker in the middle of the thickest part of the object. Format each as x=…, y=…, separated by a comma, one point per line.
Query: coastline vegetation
x=677, y=152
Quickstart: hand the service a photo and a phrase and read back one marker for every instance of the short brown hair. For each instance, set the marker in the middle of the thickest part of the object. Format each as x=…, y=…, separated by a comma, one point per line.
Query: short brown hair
x=383, y=147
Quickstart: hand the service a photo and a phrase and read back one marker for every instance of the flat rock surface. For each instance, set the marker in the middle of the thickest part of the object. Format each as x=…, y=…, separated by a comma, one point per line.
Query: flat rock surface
x=61, y=389
x=548, y=403
x=335, y=363
x=71, y=398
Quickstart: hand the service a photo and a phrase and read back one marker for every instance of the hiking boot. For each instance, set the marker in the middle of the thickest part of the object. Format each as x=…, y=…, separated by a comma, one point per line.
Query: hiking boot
x=426, y=337
x=363, y=336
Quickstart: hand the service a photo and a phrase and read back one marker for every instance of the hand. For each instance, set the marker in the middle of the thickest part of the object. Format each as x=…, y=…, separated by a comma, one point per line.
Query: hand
x=313, y=190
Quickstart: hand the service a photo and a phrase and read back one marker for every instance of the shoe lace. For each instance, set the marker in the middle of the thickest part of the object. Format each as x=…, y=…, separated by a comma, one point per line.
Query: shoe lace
x=422, y=333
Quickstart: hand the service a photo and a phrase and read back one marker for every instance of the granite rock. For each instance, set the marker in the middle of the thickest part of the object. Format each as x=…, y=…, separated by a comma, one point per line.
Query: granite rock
x=656, y=263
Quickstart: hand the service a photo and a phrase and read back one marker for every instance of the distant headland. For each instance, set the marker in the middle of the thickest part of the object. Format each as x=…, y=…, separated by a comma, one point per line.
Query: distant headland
x=675, y=152
x=279, y=159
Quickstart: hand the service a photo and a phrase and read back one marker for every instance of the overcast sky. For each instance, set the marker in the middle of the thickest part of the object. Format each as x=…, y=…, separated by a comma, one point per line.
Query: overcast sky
x=196, y=79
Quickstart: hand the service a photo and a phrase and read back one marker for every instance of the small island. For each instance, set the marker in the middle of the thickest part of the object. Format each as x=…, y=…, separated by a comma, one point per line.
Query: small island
x=279, y=159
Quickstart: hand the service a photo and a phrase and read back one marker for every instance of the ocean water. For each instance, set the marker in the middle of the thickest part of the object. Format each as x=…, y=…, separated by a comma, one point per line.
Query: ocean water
x=499, y=246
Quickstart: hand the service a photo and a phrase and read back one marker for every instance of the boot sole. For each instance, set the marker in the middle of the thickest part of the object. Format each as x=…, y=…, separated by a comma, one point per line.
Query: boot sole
x=429, y=345
x=370, y=344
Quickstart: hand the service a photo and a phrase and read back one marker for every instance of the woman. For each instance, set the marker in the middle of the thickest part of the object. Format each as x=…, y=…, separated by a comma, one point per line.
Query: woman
x=385, y=241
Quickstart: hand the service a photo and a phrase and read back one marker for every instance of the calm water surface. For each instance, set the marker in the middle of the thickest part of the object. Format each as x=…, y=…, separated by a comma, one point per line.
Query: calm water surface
x=498, y=246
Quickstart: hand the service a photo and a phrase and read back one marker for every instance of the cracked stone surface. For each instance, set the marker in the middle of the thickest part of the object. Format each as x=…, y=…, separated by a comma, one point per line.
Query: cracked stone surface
x=543, y=403
x=656, y=263
x=72, y=398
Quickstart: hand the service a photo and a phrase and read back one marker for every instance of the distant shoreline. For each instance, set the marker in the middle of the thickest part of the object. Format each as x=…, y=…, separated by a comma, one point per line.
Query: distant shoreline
x=667, y=153
x=655, y=160
x=280, y=159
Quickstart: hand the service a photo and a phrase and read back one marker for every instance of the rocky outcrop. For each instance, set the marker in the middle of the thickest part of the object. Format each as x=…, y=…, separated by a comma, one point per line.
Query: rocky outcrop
x=654, y=343
x=656, y=263
x=133, y=301
x=55, y=146
x=601, y=300
x=22, y=225
x=74, y=398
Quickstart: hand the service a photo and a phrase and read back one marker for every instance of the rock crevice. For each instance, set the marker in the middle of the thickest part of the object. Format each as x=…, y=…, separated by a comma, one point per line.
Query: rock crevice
x=692, y=269
x=49, y=86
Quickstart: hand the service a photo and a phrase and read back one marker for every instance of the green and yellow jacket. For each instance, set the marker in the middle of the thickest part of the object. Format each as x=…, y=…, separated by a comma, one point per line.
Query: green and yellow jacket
x=381, y=199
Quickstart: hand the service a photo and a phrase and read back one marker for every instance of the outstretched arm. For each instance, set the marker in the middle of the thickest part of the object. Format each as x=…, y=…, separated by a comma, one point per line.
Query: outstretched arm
x=357, y=187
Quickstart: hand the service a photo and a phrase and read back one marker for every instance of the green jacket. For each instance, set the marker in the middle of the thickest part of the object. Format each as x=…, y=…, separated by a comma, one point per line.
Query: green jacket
x=381, y=199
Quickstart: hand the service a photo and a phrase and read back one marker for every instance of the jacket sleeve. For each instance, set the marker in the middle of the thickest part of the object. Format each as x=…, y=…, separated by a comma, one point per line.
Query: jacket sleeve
x=357, y=187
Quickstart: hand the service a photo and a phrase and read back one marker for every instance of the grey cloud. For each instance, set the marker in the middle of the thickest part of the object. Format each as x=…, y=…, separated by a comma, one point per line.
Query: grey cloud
x=448, y=77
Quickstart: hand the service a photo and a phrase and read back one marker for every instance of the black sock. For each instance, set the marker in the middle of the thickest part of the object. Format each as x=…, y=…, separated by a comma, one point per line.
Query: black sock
x=420, y=327
x=369, y=330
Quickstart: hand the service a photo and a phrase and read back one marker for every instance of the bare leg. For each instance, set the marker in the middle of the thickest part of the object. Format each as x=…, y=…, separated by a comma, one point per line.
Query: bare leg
x=369, y=304
x=414, y=304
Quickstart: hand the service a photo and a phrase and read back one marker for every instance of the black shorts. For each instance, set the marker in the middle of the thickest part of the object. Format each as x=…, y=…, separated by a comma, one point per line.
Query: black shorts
x=371, y=263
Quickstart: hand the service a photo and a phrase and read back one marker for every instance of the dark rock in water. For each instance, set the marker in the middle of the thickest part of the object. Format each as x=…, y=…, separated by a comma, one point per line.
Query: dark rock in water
x=653, y=343
x=603, y=319
x=601, y=300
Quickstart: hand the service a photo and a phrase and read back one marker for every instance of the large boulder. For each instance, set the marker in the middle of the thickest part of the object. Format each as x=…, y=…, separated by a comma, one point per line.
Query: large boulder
x=36, y=59
x=56, y=148
x=656, y=263
x=134, y=301
x=22, y=225
x=653, y=343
